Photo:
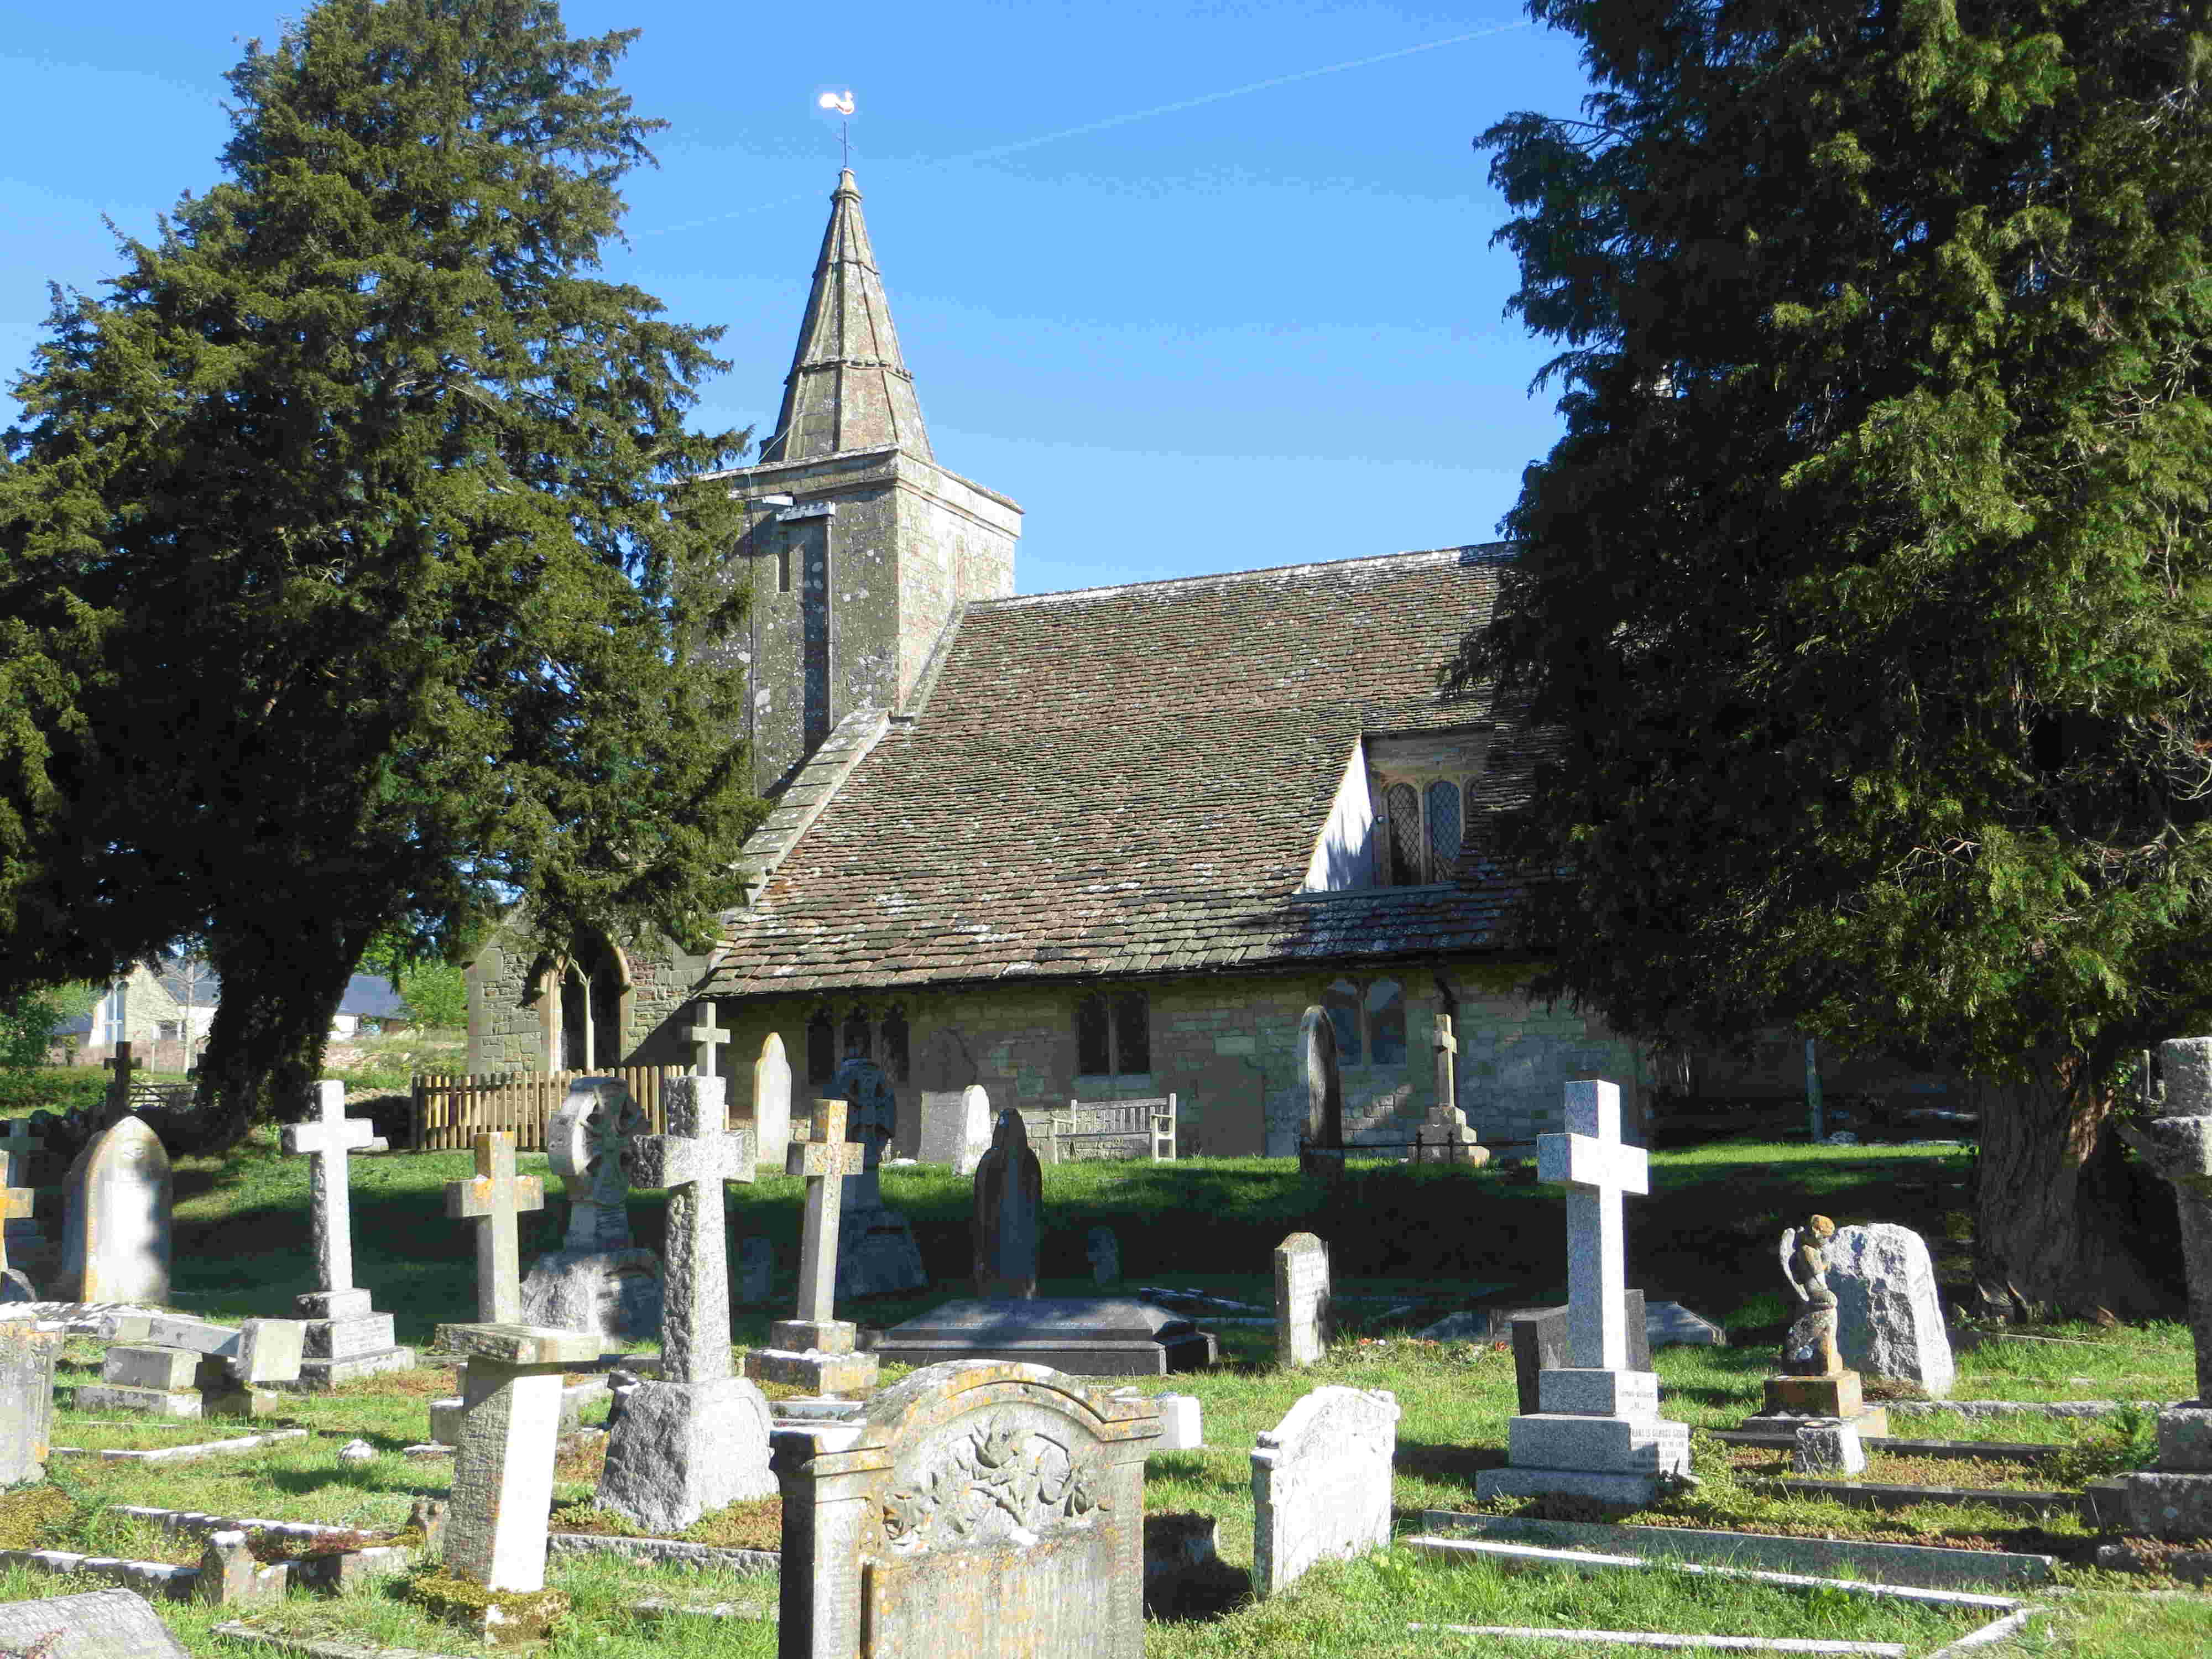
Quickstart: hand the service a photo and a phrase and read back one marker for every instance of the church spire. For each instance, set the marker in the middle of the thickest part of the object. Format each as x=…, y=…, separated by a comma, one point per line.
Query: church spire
x=848, y=388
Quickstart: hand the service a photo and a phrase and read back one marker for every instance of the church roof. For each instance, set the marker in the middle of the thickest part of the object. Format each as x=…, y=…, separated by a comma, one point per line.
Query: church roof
x=848, y=387
x=1132, y=780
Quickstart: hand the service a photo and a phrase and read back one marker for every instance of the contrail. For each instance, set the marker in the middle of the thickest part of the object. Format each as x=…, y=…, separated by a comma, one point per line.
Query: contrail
x=997, y=150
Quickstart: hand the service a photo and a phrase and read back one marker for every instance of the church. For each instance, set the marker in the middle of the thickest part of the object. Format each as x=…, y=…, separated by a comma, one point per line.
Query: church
x=1103, y=844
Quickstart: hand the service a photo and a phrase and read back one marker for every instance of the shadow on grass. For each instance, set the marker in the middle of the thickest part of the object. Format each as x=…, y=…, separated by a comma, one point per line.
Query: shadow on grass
x=1449, y=1465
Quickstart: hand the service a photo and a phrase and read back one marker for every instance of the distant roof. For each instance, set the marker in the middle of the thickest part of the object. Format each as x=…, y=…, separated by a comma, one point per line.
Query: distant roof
x=206, y=988
x=1132, y=780
x=372, y=996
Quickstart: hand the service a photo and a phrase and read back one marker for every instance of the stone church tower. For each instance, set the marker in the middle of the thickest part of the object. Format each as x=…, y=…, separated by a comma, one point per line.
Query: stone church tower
x=860, y=546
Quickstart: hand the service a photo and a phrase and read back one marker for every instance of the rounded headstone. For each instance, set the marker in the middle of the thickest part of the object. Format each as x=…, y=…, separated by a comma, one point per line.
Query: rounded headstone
x=1889, y=1322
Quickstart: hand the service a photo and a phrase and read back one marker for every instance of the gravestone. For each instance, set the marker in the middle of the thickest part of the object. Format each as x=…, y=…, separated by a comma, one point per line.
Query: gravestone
x=1541, y=1343
x=346, y=1338
x=756, y=1270
x=980, y=1509
x=598, y=1279
x=1829, y=1446
x=1320, y=1483
x=109, y=1624
x=1321, y=1144
x=1009, y=1219
x=115, y=1234
x=1302, y=1300
x=26, y=1399
x=20, y=1143
x=772, y=1103
x=1103, y=1252
x=2173, y=1498
x=494, y=1198
x=816, y=1351
x=169, y=1365
x=1889, y=1322
x=697, y=1439
x=1081, y=1335
x=956, y=1128
x=1597, y=1431
x=502, y=1495
x=707, y=1036
x=877, y=1253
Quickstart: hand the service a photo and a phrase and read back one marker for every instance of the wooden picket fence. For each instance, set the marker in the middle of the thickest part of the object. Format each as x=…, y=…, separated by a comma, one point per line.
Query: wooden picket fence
x=449, y=1112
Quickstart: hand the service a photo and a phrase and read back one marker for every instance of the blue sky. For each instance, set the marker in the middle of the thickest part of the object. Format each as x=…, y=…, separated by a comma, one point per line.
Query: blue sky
x=1257, y=329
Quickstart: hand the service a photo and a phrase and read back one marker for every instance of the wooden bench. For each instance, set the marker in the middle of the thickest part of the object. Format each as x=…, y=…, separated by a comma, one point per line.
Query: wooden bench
x=1105, y=1128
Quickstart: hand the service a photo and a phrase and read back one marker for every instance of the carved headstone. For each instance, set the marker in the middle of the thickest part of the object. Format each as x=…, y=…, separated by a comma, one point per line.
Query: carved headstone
x=1005, y=1497
x=1009, y=1213
x=495, y=1198
x=26, y=1399
x=817, y=1350
x=1320, y=1146
x=1320, y=1483
x=1302, y=1300
x=115, y=1236
x=109, y=1624
x=876, y=1250
x=772, y=1103
x=346, y=1337
x=598, y=1279
x=956, y=1128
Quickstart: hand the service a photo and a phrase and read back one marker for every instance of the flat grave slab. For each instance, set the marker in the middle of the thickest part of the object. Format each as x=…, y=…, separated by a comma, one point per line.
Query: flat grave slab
x=1082, y=1336
x=2010, y=1451
x=1926, y=1565
x=112, y=1624
x=1879, y=1495
x=236, y=1447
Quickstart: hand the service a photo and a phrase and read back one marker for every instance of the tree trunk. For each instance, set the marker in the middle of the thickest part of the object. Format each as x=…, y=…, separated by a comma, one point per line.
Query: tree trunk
x=2056, y=1227
x=282, y=981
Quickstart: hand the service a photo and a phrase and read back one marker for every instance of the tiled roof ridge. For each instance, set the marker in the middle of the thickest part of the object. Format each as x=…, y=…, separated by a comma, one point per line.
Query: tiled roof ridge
x=1412, y=558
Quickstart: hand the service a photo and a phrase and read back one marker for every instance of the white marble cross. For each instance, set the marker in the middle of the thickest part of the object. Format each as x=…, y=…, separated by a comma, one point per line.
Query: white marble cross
x=693, y=1160
x=1597, y=1168
x=327, y=1137
x=709, y=1037
x=493, y=1198
x=825, y=1157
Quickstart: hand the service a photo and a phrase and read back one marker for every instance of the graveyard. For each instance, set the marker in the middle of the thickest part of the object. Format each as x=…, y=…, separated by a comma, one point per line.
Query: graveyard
x=1366, y=1452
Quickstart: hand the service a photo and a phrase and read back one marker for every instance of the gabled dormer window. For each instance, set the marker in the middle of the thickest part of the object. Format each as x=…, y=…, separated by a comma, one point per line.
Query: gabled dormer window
x=1424, y=829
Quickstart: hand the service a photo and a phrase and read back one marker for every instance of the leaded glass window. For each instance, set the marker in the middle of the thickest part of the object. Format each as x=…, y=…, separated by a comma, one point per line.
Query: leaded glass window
x=1132, y=1033
x=1405, y=805
x=820, y=1048
x=1386, y=1022
x=1342, y=1000
x=1444, y=829
x=895, y=1043
x=853, y=1039
x=1093, y=1053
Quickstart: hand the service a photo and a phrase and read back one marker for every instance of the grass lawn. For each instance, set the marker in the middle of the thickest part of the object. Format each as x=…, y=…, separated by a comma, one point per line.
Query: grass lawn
x=1416, y=1240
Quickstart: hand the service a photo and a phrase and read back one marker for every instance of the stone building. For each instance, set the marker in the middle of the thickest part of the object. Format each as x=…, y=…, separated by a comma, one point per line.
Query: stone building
x=1107, y=843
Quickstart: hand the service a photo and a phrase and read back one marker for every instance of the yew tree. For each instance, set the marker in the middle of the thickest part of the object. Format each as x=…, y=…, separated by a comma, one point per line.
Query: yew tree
x=352, y=557
x=1866, y=594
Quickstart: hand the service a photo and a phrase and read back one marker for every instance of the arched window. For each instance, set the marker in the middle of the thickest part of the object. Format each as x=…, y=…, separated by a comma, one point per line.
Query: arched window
x=820, y=1048
x=853, y=1035
x=1405, y=805
x=1342, y=1000
x=585, y=1012
x=1386, y=1022
x=1443, y=829
x=893, y=1042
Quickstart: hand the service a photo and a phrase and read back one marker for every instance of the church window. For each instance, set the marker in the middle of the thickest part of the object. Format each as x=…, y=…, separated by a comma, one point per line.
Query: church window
x=1404, y=802
x=1113, y=1034
x=1386, y=1022
x=820, y=1048
x=586, y=1010
x=1443, y=829
x=853, y=1035
x=783, y=570
x=893, y=1044
x=1341, y=1002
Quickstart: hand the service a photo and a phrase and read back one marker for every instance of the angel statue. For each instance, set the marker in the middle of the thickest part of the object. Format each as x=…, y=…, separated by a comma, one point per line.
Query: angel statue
x=1809, y=1350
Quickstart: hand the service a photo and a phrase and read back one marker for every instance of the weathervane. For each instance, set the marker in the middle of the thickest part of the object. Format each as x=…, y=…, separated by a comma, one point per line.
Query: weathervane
x=843, y=103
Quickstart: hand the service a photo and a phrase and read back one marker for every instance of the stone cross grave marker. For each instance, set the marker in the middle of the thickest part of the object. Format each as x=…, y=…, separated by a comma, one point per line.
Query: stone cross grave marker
x=1598, y=1432
x=15, y=1201
x=588, y=1143
x=876, y=1248
x=17, y=1148
x=1302, y=1300
x=124, y=1068
x=493, y=1198
x=1598, y=1168
x=1320, y=1483
x=26, y=1399
x=115, y=1236
x=870, y=1120
x=772, y=1103
x=1447, y=1047
x=814, y=1350
x=982, y=1508
x=692, y=1160
x=1009, y=1213
x=698, y=1438
x=1104, y=1251
x=706, y=1036
x=326, y=1138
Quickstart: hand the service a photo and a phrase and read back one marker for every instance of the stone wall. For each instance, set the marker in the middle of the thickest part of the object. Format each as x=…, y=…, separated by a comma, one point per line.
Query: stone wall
x=511, y=1020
